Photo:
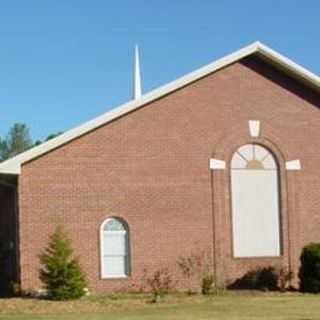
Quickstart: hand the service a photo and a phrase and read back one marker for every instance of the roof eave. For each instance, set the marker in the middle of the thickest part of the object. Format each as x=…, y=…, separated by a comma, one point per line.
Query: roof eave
x=289, y=67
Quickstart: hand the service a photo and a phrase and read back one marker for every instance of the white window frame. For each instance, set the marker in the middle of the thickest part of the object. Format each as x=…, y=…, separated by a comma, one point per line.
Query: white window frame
x=102, y=274
x=274, y=166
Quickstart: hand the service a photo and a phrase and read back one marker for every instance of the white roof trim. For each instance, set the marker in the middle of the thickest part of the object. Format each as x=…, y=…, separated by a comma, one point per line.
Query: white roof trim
x=13, y=165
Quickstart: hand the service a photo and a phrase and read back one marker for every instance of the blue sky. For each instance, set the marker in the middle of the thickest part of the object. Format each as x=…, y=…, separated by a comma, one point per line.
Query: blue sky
x=64, y=62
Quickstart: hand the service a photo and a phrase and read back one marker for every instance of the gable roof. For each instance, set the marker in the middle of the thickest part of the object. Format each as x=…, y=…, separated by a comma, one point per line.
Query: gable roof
x=13, y=165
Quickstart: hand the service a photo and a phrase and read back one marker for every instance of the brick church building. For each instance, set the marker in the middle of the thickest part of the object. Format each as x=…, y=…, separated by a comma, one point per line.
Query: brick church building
x=225, y=159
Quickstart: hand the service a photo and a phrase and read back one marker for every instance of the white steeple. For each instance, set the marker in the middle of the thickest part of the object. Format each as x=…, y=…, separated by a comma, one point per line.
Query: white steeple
x=136, y=75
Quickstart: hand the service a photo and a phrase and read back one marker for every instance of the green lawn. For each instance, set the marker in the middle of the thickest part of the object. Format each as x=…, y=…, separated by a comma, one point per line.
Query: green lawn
x=248, y=306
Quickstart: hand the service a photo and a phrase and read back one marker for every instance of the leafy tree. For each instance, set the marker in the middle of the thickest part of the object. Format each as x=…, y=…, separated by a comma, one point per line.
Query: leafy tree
x=17, y=141
x=49, y=137
x=37, y=143
x=53, y=135
x=159, y=282
x=61, y=273
x=3, y=149
x=196, y=267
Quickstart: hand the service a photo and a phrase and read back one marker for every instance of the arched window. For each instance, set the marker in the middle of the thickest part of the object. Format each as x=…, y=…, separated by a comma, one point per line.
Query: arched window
x=255, y=202
x=115, y=257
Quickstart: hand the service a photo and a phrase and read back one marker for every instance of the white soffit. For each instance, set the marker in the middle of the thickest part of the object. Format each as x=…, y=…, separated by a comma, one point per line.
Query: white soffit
x=13, y=166
x=254, y=128
x=293, y=165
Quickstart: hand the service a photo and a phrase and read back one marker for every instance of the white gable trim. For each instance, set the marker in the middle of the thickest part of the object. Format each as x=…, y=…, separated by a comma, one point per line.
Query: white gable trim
x=13, y=166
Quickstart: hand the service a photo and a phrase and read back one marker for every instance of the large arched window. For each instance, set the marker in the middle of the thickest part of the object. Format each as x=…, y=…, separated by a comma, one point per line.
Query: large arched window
x=115, y=257
x=255, y=202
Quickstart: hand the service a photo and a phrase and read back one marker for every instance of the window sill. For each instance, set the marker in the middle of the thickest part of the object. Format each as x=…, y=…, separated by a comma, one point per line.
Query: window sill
x=114, y=277
x=257, y=257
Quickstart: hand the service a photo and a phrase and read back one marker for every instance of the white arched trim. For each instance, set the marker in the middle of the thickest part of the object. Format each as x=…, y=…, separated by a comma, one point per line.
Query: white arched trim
x=114, y=249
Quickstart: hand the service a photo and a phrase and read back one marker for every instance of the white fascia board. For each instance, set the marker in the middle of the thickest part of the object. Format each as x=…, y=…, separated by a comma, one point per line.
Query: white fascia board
x=289, y=65
x=13, y=166
x=10, y=168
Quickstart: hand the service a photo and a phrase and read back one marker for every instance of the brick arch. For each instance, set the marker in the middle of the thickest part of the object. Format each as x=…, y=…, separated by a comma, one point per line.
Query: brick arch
x=226, y=266
x=228, y=144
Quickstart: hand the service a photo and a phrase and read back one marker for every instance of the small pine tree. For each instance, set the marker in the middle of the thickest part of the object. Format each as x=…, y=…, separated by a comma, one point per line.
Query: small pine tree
x=61, y=273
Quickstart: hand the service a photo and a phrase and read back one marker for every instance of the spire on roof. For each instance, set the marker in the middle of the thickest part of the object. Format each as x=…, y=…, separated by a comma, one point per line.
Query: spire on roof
x=136, y=75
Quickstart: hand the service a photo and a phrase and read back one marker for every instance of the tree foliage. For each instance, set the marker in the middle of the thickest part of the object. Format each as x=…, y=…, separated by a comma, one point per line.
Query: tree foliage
x=18, y=140
x=196, y=267
x=61, y=273
x=49, y=137
x=2, y=149
x=159, y=283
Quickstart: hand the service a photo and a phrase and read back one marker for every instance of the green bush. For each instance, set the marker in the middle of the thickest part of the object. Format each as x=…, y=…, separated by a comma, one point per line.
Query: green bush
x=309, y=272
x=61, y=273
x=196, y=267
x=159, y=283
x=285, y=276
x=258, y=279
x=207, y=284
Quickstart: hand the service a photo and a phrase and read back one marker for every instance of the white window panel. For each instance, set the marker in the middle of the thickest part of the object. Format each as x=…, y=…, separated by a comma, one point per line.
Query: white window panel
x=255, y=206
x=269, y=162
x=114, y=243
x=113, y=225
x=238, y=162
x=260, y=152
x=115, y=258
x=253, y=156
x=255, y=203
x=114, y=266
x=246, y=151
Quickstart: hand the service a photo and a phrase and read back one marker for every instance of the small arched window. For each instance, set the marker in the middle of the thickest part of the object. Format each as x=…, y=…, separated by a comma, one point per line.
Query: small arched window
x=115, y=257
x=255, y=202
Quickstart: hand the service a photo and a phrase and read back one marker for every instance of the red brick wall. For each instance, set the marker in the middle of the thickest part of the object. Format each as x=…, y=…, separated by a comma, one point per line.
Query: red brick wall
x=151, y=168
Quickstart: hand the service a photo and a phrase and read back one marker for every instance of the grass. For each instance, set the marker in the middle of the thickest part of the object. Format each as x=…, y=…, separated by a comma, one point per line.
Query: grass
x=230, y=306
